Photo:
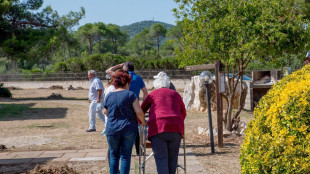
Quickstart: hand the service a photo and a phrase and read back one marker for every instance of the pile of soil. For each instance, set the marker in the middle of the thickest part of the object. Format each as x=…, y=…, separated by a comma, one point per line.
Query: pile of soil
x=55, y=96
x=52, y=169
x=14, y=88
x=56, y=87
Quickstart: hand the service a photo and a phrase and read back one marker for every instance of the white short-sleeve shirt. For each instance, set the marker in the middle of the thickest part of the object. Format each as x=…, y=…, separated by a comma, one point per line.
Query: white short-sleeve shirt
x=95, y=85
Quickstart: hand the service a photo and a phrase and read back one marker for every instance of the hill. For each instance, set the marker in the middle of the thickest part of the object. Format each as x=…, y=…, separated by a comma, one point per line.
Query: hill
x=137, y=27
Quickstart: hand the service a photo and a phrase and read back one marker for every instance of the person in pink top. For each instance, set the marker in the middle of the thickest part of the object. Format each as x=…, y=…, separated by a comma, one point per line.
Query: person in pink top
x=166, y=124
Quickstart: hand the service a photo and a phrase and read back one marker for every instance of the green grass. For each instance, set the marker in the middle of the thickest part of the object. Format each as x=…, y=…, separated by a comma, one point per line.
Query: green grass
x=12, y=110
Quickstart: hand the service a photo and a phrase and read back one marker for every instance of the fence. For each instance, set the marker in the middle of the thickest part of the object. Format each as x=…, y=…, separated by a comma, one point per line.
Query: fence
x=173, y=74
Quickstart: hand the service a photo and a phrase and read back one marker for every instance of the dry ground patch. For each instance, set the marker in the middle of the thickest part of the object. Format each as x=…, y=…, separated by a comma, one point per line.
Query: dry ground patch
x=60, y=125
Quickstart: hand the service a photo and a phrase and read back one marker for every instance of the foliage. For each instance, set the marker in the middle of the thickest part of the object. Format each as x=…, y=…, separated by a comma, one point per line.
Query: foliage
x=277, y=139
x=101, y=62
x=5, y=92
x=138, y=27
x=157, y=31
x=116, y=37
x=88, y=33
x=60, y=67
x=140, y=43
x=26, y=32
x=237, y=32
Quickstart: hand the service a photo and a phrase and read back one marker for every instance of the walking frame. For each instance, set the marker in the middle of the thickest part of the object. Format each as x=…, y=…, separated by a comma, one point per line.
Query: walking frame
x=144, y=144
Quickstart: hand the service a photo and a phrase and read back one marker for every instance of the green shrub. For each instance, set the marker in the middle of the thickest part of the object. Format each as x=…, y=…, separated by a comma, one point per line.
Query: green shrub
x=5, y=92
x=101, y=62
x=278, y=138
x=75, y=65
x=60, y=67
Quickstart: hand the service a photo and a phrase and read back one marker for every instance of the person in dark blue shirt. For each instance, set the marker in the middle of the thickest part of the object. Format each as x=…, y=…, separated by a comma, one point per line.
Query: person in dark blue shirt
x=122, y=108
x=136, y=85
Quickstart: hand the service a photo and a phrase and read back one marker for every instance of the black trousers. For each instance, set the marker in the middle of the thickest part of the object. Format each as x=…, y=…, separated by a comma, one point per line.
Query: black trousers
x=137, y=143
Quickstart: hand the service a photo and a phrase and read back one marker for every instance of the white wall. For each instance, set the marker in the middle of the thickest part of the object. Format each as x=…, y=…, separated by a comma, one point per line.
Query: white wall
x=178, y=83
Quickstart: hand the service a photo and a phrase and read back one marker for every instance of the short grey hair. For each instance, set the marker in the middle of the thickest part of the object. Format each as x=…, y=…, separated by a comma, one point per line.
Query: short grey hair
x=161, y=83
x=93, y=72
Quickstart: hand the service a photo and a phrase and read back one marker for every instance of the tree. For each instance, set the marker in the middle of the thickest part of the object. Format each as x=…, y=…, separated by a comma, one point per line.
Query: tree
x=237, y=32
x=175, y=34
x=88, y=33
x=101, y=33
x=116, y=36
x=157, y=31
x=140, y=43
x=25, y=30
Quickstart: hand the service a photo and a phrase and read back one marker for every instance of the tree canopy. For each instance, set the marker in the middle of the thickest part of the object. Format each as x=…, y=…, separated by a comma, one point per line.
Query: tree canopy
x=25, y=29
x=237, y=32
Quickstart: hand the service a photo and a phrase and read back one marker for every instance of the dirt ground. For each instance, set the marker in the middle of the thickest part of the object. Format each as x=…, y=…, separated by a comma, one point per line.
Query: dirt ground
x=61, y=124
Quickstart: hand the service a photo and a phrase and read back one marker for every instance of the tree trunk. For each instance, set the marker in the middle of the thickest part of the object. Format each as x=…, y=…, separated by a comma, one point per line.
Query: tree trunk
x=90, y=48
x=236, y=118
x=158, y=45
x=114, y=46
x=228, y=124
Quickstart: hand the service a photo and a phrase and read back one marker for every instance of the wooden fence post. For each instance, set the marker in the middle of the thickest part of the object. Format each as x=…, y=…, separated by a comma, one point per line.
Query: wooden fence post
x=219, y=105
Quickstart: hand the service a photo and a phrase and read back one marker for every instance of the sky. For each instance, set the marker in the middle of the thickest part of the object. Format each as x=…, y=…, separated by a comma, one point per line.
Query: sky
x=119, y=12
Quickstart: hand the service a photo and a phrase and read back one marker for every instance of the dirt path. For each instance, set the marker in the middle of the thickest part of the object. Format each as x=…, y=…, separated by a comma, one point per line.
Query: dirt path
x=61, y=125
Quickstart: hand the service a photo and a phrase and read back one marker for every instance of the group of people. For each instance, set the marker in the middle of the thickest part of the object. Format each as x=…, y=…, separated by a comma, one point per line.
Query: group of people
x=122, y=110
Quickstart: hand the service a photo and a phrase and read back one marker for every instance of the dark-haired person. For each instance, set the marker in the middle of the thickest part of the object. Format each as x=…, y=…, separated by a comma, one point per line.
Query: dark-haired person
x=166, y=124
x=122, y=108
x=136, y=85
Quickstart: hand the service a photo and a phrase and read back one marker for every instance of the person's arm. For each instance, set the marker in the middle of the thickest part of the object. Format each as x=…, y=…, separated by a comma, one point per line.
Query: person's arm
x=111, y=70
x=99, y=95
x=183, y=109
x=146, y=104
x=139, y=112
x=105, y=111
x=145, y=93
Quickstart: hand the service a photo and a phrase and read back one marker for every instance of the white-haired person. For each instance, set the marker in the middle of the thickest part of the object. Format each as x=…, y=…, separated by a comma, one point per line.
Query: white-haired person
x=166, y=124
x=163, y=74
x=95, y=98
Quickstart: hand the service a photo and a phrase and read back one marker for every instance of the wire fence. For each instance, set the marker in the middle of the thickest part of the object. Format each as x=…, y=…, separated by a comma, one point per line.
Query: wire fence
x=173, y=74
x=145, y=74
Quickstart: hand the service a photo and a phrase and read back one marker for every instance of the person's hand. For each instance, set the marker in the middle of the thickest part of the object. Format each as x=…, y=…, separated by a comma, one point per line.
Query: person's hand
x=144, y=123
x=89, y=101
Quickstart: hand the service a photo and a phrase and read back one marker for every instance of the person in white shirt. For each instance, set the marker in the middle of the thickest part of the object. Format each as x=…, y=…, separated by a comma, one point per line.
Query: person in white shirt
x=95, y=98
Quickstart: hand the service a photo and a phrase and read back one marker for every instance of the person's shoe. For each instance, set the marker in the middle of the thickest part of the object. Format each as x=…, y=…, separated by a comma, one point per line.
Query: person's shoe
x=91, y=130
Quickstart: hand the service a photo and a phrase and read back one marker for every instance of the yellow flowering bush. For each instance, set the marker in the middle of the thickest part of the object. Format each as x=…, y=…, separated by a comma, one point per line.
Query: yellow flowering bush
x=278, y=137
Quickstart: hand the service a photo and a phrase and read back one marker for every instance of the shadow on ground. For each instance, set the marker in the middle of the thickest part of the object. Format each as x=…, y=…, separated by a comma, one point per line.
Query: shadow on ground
x=23, y=165
x=9, y=112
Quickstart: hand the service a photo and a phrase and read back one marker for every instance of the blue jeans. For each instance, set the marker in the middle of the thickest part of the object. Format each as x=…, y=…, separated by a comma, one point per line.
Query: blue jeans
x=121, y=148
x=166, y=151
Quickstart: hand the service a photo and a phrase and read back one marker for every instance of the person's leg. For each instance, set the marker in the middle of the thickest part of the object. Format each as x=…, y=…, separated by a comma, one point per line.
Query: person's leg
x=160, y=150
x=114, y=146
x=127, y=140
x=173, y=150
x=137, y=143
x=99, y=112
x=92, y=115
